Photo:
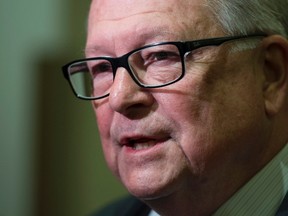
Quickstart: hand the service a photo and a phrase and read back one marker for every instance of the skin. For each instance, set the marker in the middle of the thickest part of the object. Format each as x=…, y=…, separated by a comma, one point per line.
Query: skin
x=210, y=132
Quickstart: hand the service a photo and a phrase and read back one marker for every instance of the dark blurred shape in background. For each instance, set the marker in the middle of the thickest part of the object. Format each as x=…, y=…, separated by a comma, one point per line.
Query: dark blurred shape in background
x=50, y=156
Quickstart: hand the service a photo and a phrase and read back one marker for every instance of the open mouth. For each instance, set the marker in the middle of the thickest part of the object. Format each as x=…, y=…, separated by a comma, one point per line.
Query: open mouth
x=141, y=144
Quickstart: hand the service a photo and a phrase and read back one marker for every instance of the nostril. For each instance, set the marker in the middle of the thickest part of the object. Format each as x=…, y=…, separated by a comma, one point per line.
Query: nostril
x=135, y=105
x=126, y=96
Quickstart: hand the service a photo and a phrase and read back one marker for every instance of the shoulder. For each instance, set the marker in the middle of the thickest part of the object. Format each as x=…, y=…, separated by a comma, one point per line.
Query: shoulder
x=127, y=206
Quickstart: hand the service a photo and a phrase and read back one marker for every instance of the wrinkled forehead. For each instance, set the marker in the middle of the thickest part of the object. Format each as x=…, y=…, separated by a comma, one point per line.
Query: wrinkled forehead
x=139, y=22
x=119, y=9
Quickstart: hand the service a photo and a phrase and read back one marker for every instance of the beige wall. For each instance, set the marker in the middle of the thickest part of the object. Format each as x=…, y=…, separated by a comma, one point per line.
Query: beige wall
x=50, y=155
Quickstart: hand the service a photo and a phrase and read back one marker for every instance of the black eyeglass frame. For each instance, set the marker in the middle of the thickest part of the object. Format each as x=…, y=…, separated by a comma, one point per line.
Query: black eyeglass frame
x=122, y=61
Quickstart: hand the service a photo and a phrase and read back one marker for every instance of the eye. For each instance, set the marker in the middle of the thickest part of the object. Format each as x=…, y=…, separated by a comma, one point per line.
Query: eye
x=99, y=67
x=102, y=67
x=160, y=57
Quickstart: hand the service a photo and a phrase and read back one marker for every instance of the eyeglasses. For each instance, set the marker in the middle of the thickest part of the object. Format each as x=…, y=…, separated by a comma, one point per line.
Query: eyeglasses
x=152, y=66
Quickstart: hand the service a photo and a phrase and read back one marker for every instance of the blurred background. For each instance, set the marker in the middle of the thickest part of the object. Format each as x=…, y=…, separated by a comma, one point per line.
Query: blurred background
x=50, y=155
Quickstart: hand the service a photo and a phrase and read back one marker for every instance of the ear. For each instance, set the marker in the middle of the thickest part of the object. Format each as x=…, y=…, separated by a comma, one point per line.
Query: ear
x=275, y=88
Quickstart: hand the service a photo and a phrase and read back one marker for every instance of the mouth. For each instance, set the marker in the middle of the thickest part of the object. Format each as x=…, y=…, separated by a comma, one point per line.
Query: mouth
x=141, y=144
x=138, y=144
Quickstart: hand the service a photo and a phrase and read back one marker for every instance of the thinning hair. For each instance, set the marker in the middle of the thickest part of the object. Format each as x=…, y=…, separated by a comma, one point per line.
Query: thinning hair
x=251, y=16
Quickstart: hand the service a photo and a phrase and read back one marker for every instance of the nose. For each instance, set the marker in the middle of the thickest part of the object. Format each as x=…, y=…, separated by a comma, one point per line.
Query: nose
x=126, y=96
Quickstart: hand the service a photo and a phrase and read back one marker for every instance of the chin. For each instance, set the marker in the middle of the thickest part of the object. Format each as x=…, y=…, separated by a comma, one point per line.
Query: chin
x=148, y=195
x=150, y=190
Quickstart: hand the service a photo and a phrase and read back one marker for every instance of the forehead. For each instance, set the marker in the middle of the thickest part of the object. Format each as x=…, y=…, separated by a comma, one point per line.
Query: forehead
x=122, y=20
x=118, y=9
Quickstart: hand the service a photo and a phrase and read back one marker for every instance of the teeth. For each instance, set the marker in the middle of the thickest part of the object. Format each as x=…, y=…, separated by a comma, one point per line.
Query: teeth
x=141, y=146
x=144, y=145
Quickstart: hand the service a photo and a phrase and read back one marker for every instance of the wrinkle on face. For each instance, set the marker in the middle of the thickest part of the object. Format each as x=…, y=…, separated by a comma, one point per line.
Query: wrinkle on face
x=112, y=11
x=115, y=10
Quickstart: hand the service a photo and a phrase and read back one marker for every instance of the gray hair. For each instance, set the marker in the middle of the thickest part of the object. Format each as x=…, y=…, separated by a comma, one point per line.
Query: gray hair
x=251, y=16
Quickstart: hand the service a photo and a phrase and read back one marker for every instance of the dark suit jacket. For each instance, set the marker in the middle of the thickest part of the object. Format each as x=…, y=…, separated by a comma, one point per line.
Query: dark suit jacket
x=131, y=206
x=128, y=206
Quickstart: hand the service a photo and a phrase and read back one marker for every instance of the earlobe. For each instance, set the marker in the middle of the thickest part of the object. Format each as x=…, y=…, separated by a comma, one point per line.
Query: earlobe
x=275, y=88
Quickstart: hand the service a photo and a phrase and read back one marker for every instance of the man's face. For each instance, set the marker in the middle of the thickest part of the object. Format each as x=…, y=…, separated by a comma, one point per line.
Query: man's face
x=202, y=131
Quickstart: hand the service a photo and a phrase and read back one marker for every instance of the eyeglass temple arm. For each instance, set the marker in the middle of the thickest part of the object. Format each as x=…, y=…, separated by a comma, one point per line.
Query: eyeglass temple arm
x=192, y=45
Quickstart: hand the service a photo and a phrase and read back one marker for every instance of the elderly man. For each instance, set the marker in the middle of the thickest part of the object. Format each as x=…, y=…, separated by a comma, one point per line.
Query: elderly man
x=191, y=100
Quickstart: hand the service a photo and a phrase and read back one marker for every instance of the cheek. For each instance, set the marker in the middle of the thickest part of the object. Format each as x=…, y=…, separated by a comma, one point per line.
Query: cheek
x=189, y=111
x=214, y=135
x=104, y=118
x=216, y=123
